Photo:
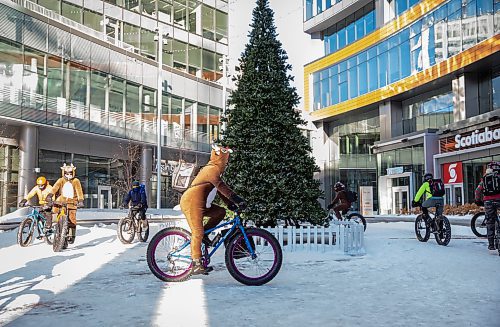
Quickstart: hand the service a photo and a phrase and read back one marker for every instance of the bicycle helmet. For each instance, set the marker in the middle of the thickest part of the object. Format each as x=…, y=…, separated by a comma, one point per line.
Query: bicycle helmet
x=338, y=187
x=494, y=165
x=41, y=182
x=135, y=184
x=428, y=177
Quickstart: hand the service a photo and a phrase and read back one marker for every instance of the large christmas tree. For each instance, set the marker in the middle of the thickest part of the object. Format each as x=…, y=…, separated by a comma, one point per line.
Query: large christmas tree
x=272, y=167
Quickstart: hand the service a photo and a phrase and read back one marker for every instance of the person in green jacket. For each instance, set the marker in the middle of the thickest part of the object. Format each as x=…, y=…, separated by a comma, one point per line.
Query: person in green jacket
x=425, y=192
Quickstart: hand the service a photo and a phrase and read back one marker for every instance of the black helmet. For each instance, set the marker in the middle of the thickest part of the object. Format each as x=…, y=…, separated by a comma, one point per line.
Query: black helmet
x=338, y=186
x=135, y=184
x=494, y=165
x=428, y=177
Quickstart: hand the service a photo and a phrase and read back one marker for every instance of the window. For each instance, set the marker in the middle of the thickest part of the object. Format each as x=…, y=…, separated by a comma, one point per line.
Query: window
x=202, y=118
x=98, y=115
x=131, y=35
x=208, y=22
x=221, y=23
x=148, y=44
x=132, y=113
x=92, y=19
x=179, y=50
x=180, y=13
x=309, y=9
x=71, y=11
x=165, y=8
x=148, y=115
x=495, y=91
x=195, y=60
x=116, y=118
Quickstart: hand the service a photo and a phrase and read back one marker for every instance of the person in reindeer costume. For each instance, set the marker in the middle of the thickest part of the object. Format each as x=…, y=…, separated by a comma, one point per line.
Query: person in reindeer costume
x=196, y=202
x=69, y=189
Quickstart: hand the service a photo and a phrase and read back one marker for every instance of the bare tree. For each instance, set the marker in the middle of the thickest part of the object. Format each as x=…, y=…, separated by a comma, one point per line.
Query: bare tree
x=128, y=163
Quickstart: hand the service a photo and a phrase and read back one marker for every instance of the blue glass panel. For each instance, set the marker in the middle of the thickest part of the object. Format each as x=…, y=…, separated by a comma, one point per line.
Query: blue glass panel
x=333, y=70
x=484, y=7
x=325, y=92
x=416, y=28
x=432, y=47
x=404, y=35
x=333, y=43
x=469, y=10
x=361, y=57
x=372, y=52
x=440, y=14
x=382, y=47
x=353, y=82
x=412, y=3
x=324, y=74
x=352, y=62
x=334, y=83
x=343, y=66
x=393, y=64
x=453, y=6
x=370, y=22
x=362, y=80
x=351, y=33
x=319, y=6
x=382, y=69
x=343, y=90
x=341, y=36
x=328, y=4
x=309, y=9
x=360, y=28
x=372, y=74
x=401, y=6
x=316, y=77
x=404, y=56
x=316, y=96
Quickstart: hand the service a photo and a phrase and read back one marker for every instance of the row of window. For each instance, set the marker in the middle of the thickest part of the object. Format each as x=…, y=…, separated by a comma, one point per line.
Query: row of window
x=48, y=89
x=439, y=35
x=193, y=16
x=350, y=29
x=178, y=54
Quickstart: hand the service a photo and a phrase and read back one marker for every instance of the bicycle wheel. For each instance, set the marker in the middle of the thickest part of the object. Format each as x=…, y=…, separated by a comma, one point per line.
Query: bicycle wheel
x=47, y=236
x=356, y=217
x=421, y=230
x=169, y=255
x=478, y=224
x=443, y=234
x=60, y=232
x=256, y=270
x=126, y=230
x=25, y=232
x=142, y=230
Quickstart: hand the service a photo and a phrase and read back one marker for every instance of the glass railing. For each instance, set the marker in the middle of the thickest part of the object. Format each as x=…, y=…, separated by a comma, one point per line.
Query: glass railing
x=57, y=111
x=72, y=24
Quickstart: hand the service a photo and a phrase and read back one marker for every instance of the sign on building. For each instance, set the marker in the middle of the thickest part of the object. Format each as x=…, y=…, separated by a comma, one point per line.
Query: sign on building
x=452, y=173
x=366, y=200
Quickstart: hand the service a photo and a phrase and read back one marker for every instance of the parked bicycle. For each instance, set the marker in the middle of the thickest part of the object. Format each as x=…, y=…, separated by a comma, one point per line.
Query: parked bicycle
x=347, y=215
x=478, y=224
x=131, y=225
x=253, y=256
x=439, y=226
x=34, y=220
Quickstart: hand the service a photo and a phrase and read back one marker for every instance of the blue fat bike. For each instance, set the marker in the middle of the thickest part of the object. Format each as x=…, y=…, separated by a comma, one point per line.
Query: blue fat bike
x=253, y=255
x=34, y=220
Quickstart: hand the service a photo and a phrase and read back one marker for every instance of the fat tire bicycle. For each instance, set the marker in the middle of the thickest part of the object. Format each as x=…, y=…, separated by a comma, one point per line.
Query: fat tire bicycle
x=131, y=225
x=347, y=215
x=253, y=256
x=34, y=220
x=61, y=228
x=478, y=224
x=439, y=225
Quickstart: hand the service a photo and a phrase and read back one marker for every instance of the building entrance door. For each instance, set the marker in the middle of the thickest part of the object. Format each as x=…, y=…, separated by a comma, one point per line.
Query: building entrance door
x=105, y=199
x=400, y=199
x=454, y=194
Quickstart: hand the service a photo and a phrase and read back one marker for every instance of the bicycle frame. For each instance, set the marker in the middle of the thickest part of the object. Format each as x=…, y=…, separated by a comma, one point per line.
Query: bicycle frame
x=236, y=223
x=39, y=220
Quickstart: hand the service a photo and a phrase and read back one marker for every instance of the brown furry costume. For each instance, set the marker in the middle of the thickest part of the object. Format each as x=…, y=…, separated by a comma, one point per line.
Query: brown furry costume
x=194, y=200
x=75, y=188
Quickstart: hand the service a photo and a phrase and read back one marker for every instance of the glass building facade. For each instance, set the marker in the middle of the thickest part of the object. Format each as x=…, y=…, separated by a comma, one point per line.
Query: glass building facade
x=90, y=67
x=448, y=30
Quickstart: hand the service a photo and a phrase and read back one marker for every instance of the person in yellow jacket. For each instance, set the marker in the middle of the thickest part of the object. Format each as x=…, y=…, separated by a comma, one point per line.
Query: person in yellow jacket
x=41, y=190
x=429, y=200
x=69, y=189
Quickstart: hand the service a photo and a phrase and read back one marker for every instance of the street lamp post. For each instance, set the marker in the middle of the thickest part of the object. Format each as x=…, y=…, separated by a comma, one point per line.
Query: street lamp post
x=224, y=63
x=159, y=38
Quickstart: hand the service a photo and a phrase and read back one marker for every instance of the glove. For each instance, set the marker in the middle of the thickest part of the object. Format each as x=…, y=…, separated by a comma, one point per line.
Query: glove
x=232, y=207
x=479, y=203
x=23, y=202
x=139, y=205
x=80, y=204
x=330, y=206
x=242, y=205
x=415, y=204
x=49, y=201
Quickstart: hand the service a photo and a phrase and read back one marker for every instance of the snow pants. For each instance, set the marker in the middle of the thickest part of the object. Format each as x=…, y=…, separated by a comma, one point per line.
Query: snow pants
x=490, y=208
x=339, y=208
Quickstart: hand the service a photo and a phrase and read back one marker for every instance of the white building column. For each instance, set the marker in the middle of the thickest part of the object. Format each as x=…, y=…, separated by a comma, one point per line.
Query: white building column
x=28, y=159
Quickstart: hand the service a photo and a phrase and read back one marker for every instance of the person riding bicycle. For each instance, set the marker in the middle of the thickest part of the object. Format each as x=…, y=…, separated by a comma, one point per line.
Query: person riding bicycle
x=138, y=200
x=340, y=203
x=432, y=192
x=69, y=190
x=196, y=202
x=487, y=193
x=41, y=189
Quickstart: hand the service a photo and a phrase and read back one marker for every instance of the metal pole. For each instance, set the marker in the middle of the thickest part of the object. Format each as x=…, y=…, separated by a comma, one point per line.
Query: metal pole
x=224, y=85
x=158, y=123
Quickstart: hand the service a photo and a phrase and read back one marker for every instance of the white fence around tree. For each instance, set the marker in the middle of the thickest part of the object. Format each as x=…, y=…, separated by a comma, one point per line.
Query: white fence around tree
x=342, y=236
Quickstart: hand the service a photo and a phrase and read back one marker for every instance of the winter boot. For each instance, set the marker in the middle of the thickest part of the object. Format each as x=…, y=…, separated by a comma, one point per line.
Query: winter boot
x=197, y=268
x=491, y=246
x=71, y=235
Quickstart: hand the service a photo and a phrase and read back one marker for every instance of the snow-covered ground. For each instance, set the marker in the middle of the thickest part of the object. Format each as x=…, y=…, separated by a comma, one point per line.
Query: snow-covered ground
x=399, y=282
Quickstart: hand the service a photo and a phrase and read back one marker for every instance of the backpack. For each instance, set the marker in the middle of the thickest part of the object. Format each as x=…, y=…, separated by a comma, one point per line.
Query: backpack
x=491, y=184
x=437, y=187
x=183, y=175
x=351, y=196
x=142, y=190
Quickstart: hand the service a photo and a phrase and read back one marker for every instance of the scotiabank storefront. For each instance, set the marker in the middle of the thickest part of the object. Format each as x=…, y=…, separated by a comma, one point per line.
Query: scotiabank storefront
x=463, y=156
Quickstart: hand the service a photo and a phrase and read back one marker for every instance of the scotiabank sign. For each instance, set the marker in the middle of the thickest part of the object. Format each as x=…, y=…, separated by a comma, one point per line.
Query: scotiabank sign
x=452, y=173
x=479, y=137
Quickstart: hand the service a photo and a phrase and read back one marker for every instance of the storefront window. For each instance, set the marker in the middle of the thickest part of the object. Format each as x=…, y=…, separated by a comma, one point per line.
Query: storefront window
x=9, y=170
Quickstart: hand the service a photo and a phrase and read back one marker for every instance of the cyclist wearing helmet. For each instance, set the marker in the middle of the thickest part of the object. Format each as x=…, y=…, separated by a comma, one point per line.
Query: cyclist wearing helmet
x=137, y=198
x=425, y=193
x=340, y=203
x=41, y=190
x=487, y=193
